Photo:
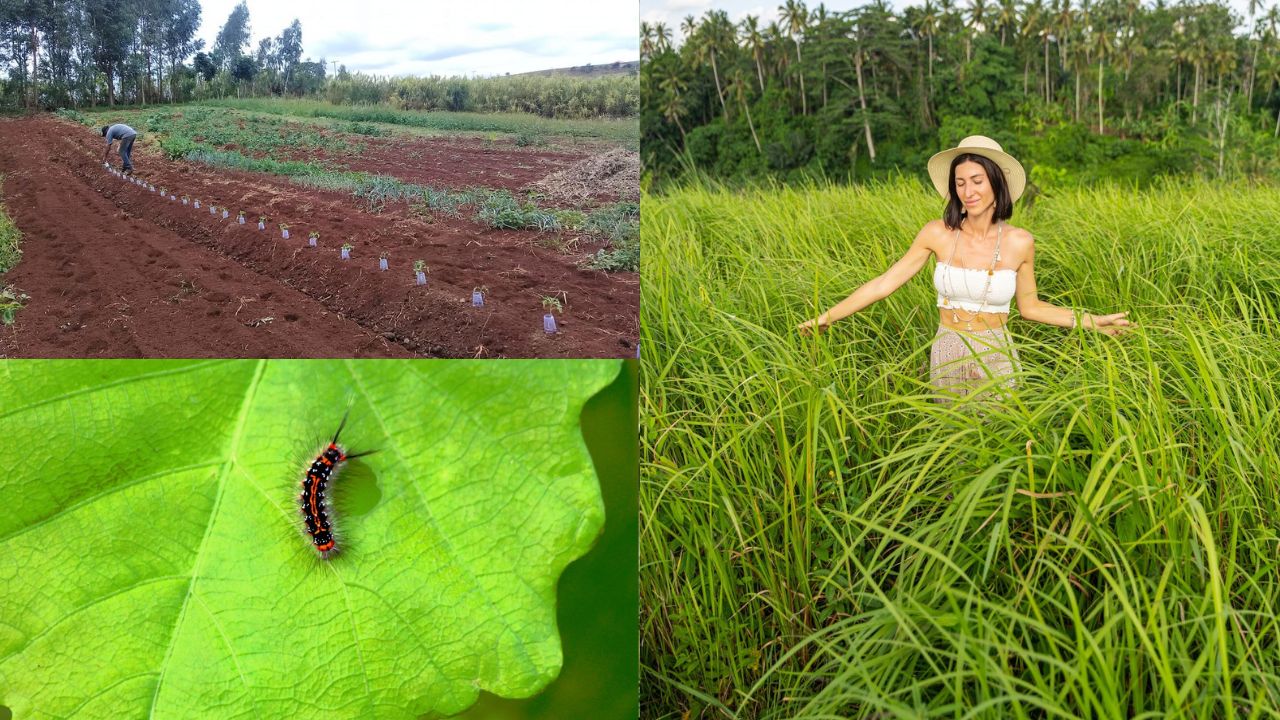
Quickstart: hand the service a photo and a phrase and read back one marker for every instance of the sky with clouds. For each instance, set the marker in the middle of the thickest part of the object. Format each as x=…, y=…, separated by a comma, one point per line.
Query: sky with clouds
x=672, y=12
x=400, y=37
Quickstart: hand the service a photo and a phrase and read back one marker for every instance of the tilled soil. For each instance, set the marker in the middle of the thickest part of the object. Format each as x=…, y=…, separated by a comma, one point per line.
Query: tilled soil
x=114, y=270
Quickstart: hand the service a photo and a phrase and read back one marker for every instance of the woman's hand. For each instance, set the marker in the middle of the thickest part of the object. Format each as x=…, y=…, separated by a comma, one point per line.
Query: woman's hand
x=822, y=322
x=1114, y=324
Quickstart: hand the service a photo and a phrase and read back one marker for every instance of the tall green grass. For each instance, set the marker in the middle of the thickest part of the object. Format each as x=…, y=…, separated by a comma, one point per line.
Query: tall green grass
x=820, y=540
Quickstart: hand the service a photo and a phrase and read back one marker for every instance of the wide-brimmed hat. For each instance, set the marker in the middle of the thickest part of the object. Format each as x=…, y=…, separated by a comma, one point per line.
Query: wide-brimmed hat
x=1014, y=176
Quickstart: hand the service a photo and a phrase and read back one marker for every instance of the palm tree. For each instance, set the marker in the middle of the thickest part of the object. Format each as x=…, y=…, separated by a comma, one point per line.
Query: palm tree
x=927, y=25
x=662, y=37
x=739, y=90
x=646, y=40
x=688, y=26
x=977, y=24
x=796, y=18
x=755, y=43
x=859, y=57
x=672, y=106
x=1102, y=46
x=715, y=34
x=1006, y=17
x=1033, y=25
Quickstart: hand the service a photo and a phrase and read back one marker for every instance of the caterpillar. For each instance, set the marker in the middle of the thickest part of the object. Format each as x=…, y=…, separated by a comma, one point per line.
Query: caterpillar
x=315, y=513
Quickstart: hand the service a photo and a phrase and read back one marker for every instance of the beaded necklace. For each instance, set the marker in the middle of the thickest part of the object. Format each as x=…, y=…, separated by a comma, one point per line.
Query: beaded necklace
x=946, y=298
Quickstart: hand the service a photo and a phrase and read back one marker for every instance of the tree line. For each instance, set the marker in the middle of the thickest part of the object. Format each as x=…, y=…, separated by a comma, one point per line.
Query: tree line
x=75, y=53
x=1113, y=87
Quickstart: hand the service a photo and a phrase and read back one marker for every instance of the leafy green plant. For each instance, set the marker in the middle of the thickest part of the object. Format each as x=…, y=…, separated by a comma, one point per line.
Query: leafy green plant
x=183, y=570
x=552, y=304
x=73, y=115
x=11, y=301
x=178, y=148
x=10, y=239
x=419, y=266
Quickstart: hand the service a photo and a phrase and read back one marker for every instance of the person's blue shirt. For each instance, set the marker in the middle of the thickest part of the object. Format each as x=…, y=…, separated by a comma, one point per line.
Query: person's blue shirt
x=119, y=131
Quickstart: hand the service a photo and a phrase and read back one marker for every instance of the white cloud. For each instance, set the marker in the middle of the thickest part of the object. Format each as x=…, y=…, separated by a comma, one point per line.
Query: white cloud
x=395, y=37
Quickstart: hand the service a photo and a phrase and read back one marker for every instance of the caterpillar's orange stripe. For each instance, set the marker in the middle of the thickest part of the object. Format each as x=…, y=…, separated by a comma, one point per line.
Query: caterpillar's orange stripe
x=312, y=500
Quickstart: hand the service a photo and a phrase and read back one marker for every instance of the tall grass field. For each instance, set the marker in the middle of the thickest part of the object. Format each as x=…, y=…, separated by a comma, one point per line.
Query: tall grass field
x=819, y=539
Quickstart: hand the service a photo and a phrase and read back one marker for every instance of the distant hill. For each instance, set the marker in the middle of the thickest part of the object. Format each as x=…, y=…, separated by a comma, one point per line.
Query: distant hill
x=591, y=71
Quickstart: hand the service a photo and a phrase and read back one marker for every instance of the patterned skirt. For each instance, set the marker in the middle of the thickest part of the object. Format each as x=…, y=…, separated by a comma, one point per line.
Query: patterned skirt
x=960, y=362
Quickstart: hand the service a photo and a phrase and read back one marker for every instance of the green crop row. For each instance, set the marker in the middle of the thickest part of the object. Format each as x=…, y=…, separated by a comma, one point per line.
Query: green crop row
x=10, y=237
x=11, y=300
x=529, y=127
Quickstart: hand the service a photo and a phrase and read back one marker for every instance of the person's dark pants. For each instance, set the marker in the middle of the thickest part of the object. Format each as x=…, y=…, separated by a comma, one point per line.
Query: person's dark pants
x=126, y=149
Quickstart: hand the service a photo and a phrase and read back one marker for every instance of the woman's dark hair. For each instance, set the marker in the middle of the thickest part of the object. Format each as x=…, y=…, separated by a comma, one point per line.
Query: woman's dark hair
x=955, y=211
x=104, y=134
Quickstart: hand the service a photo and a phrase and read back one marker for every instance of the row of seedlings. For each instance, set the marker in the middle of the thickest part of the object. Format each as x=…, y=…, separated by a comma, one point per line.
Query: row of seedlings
x=550, y=303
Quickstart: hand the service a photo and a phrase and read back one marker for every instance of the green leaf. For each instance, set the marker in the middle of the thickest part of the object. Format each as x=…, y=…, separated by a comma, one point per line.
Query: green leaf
x=153, y=562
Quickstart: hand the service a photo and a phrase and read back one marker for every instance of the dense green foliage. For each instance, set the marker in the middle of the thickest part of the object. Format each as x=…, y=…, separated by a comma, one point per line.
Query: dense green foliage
x=1079, y=92
x=557, y=96
x=821, y=540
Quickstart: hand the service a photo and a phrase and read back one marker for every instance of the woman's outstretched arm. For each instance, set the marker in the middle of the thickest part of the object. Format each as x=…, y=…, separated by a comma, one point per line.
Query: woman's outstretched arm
x=879, y=287
x=1031, y=307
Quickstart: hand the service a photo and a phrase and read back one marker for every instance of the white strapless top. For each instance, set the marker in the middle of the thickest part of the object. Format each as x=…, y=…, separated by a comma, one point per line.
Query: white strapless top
x=963, y=288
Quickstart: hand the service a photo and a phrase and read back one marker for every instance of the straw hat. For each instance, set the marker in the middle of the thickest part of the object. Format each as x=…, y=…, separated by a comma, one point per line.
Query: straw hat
x=1014, y=176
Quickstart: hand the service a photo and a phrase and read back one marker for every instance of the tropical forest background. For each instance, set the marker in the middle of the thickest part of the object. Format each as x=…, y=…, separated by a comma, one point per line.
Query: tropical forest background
x=1080, y=91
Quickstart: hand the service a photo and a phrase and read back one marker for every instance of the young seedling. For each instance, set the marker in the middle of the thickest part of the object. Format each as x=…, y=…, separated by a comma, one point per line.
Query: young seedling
x=284, y=231
x=186, y=200
x=240, y=217
x=346, y=250
x=382, y=261
x=477, y=296
x=420, y=271
x=262, y=222
x=313, y=238
x=552, y=305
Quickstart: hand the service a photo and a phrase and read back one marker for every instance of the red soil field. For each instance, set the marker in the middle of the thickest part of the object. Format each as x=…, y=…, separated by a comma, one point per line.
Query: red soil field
x=114, y=270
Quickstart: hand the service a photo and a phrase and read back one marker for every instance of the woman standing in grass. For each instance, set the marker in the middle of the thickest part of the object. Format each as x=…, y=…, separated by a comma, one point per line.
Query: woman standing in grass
x=988, y=263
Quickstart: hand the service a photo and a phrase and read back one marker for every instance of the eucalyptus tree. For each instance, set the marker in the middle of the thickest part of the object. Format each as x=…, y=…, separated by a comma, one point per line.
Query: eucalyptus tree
x=289, y=52
x=111, y=28
x=233, y=38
